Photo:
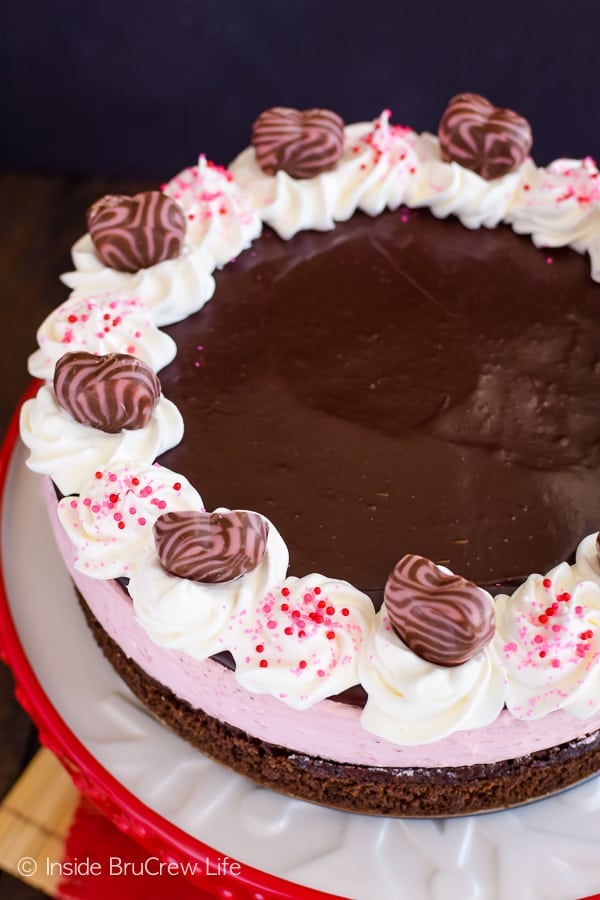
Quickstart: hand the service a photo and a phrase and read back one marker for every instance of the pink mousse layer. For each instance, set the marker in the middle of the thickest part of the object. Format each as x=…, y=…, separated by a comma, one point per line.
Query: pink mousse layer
x=329, y=730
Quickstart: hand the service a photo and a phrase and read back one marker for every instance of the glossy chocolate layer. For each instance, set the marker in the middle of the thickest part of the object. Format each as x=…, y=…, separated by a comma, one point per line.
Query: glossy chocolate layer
x=399, y=385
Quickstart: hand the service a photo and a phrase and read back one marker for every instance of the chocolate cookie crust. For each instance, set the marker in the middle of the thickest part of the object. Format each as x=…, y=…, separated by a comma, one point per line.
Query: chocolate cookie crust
x=399, y=792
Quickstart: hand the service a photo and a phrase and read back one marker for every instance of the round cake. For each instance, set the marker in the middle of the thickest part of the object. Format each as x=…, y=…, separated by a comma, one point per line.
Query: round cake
x=346, y=540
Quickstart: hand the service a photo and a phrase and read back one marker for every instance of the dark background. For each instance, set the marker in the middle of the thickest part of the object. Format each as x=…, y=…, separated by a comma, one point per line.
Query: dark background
x=140, y=88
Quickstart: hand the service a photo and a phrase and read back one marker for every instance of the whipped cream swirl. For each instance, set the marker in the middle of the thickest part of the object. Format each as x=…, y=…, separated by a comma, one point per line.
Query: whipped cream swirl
x=108, y=323
x=110, y=522
x=387, y=166
x=300, y=640
x=382, y=166
x=197, y=618
x=69, y=451
x=548, y=634
x=221, y=219
x=412, y=701
x=171, y=290
x=559, y=206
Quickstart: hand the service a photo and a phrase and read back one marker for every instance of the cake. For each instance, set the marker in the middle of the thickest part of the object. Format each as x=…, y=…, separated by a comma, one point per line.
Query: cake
x=345, y=541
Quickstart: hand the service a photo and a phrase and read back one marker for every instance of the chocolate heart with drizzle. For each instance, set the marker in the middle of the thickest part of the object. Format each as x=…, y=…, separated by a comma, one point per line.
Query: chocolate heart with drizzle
x=109, y=392
x=441, y=617
x=481, y=137
x=303, y=143
x=210, y=548
x=132, y=233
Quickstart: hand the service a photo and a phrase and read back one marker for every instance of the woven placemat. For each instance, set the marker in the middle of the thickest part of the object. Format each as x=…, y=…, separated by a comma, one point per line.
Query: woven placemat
x=35, y=819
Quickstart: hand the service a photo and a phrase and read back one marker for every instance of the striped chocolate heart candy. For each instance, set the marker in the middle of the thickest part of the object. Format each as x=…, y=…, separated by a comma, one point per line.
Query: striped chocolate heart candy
x=210, y=548
x=132, y=233
x=303, y=143
x=481, y=137
x=109, y=392
x=441, y=617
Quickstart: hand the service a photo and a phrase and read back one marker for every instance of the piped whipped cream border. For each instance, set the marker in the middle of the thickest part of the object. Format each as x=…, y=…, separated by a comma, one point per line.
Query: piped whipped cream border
x=539, y=662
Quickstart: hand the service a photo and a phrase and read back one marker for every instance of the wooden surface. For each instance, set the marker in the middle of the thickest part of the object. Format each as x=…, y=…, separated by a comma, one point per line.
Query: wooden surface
x=40, y=219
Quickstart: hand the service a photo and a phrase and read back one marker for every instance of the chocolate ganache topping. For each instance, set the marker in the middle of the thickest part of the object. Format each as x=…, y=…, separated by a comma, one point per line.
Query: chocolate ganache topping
x=210, y=548
x=398, y=385
x=109, y=392
x=441, y=617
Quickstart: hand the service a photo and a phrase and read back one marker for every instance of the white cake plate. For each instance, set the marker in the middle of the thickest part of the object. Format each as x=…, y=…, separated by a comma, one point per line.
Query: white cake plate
x=167, y=795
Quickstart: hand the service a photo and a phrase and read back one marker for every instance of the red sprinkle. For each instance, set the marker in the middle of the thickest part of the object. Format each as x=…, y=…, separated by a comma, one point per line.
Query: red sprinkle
x=330, y=635
x=263, y=663
x=345, y=611
x=302, y=664
x=177, y=486
x=285, y=592
x=260, y=648
x=542, y=619
x=547, y=583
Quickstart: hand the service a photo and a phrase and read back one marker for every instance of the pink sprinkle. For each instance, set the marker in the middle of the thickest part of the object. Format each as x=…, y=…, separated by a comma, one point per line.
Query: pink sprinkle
x=579, y=610
x=132, y=510
x=538, y=639
x=112, y=477
x=271, y=624
x=117, y=517
x=556, y=628
x=73, y=504
x=549, y=260
x=321, y=673
x=96, y=508
x=87, y=501
x=141, y=521
x=556, y=663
